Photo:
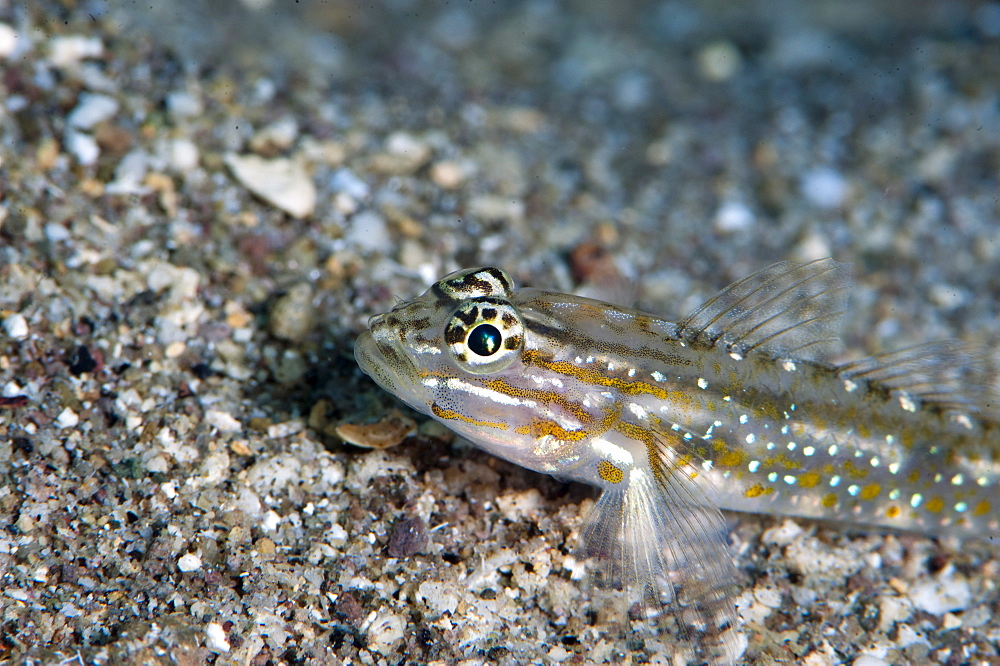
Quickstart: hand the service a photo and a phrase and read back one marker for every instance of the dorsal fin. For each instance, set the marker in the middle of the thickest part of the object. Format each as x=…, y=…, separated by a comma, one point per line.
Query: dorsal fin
x=951, y=375
x=787, y=309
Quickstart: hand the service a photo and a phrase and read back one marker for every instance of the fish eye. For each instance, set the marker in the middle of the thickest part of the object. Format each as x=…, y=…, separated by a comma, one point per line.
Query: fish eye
x=484, y=340
x=484, y=335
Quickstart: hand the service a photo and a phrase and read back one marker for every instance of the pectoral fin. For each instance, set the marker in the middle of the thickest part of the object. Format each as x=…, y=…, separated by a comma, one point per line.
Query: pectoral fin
x=662, y=542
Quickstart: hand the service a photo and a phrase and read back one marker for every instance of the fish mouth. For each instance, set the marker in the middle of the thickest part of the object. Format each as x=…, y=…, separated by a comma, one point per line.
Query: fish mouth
x=380, y=360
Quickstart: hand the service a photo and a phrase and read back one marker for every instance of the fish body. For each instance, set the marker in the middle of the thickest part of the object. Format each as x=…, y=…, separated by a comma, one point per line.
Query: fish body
x=733, y=407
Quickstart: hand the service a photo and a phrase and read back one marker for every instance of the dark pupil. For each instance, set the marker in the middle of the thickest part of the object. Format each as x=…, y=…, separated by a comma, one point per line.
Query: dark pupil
x=485, y=340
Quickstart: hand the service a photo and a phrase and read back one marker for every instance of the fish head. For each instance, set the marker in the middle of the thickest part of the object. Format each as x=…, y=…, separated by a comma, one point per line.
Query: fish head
x=464, y=328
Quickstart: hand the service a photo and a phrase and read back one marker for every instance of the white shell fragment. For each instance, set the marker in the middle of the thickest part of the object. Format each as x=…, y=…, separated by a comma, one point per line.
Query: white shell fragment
x=189, y=562
x=216, y=637
x=67, y=419
x=16, y=326
x=91, y=110
x=281, y=182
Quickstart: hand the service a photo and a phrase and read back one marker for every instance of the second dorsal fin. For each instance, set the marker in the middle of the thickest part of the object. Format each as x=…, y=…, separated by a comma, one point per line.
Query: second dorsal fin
x=787, y=309
x=951, y=375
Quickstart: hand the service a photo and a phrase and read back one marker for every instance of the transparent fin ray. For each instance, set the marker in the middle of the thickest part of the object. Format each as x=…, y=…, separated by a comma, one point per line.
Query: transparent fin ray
x=951, y=375
x=662, y=542
x=787, y=309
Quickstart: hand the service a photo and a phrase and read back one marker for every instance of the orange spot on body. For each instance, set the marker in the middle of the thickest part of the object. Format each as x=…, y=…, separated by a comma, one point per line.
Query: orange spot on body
x=610, y=472
x=810, y=480
x=871, y=491
x=756, y=490
x=935, y=504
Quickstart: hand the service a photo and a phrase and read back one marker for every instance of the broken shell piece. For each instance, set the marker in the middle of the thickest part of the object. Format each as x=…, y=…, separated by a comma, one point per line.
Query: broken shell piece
x=383, y=434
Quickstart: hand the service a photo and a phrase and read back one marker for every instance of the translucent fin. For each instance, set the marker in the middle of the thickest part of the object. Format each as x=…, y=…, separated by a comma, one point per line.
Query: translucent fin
x=949, y=375
x=788, y=309
x=662, y=542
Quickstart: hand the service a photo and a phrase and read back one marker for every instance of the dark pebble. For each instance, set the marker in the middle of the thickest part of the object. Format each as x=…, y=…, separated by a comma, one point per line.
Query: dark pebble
x=409, y=536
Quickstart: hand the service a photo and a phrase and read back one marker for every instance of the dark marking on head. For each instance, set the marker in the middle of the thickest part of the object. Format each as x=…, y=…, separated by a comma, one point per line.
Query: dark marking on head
x=467, y=317
x=391, y=356
x=439, y=293
x=454, y=335
x=474, y=284
x=498, y=275
x=489, y=314
x=509, y=320
x=512, y=342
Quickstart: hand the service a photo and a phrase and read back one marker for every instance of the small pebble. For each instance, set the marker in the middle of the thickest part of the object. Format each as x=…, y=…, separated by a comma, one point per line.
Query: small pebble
x=183, y=104
x=281, y=182
x=943, y=593
x=292, y=316
x=368, y=232
x=182, y=155
x=91, y=110
x=82, y=362
x=336, y=535
x=719, y=61
x=82, y=146
x=869, y=660
x=733, y=217
x=189, y=562
x=290, y=367
x=181, y=281
x=285, y=429
x=439, y=597
x=130, y=174
x=69, y=50
x=783, y=534
x=216, y=639
x=345, y=181
x=408, y=537
x=447, y=174
x=491, y=207
x=768, y=596
x=825, y=187
x=224, y=421
x=175, y=349
x=276, y=137
x=385, y=630
x=56, y=233
x=67, y=419
x=404, y=154
x=388, y=432
x=16, y=326
x=8, y=40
